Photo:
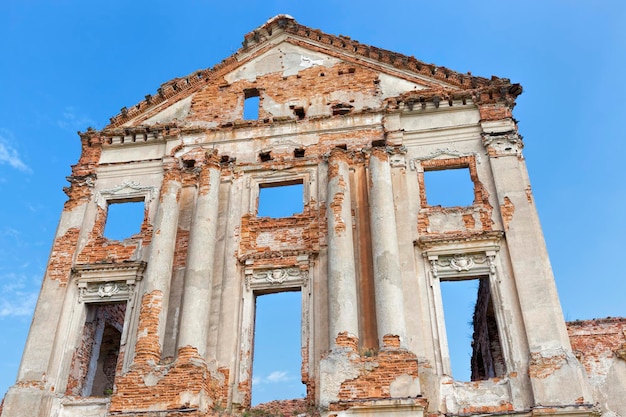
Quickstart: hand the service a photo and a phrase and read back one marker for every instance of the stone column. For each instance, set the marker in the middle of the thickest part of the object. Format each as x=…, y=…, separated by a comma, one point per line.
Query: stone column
x=196, y=308
x=548, y=341
x=342, y=293
x=385, y=252
x=153, y=314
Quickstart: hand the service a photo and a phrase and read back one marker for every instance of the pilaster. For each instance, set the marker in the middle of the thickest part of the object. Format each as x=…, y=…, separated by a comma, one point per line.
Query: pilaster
x=200, y=258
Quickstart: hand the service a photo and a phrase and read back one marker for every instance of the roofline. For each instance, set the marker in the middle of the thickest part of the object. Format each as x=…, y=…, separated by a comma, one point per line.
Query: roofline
x=282, y=23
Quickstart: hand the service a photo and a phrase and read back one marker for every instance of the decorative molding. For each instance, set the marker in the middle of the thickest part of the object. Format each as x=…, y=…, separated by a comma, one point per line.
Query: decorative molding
x=503, y=144
x=102, y=283
x=442, y=151
x=276, y=278
x=128, y=189
x=461, y=265
x=397, y=157
x=450, y=243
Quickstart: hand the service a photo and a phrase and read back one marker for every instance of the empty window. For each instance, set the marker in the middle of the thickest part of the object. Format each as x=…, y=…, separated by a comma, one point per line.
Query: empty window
x=124, y=219
x=473, y=340
x=280, y=199
x=251, y=104
x=451, y=187
x=95, y=361
x=276, y=371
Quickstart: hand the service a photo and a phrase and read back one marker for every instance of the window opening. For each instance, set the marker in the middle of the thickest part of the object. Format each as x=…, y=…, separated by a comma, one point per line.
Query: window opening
x=277, y=361
x=278, y=200
x=450, y=187
x=251, y=104
x=95, y=361
x=124, y=219
x=471, y=329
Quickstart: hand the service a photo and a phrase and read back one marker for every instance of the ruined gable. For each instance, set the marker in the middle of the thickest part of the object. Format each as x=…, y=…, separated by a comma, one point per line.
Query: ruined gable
x=162, y=322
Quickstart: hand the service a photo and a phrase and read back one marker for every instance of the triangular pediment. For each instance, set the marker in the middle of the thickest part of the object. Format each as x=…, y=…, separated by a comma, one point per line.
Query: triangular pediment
x=289, y=59
x=283, y=49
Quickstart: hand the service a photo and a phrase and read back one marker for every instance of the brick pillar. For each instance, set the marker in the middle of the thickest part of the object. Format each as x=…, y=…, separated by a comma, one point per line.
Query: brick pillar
x=196, y=308
x=385, y=251
x=153, y=315
x=342, y=293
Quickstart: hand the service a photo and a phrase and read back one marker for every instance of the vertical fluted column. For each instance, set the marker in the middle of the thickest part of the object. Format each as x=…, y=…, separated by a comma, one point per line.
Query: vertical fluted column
x=159, y=270
x=342, y=294
x=385, y=251
x=200, y=256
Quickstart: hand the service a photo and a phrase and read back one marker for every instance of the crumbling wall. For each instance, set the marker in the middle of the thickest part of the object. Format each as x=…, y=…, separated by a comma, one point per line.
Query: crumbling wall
x=600, y=345
x=98, y=351
x=434, y=220
x=487, y=357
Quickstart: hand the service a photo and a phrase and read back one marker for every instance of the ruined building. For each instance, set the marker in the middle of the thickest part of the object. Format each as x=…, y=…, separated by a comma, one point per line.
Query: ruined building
x=162, y=323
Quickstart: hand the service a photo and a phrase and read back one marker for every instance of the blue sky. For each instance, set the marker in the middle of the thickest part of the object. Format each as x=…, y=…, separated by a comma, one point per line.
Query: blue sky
x=70, y=64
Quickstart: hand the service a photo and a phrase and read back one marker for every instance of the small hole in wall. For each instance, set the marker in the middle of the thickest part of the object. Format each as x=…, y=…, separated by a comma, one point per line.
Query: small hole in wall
x=298, y=153
x=189, y=163
x=124, y=219
x=265, y=156
x=299, y=112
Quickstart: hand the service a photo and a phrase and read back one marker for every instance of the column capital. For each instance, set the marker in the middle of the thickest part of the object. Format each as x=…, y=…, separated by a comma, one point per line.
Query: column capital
x=508, y=143
x=171, y=169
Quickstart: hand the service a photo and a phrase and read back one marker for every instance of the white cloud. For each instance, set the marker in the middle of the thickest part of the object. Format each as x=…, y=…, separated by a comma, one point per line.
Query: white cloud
x=273, y=378
x=8, y=154
x=20, y=305
x=72, y=120
x=277, y=376
x=18, y=295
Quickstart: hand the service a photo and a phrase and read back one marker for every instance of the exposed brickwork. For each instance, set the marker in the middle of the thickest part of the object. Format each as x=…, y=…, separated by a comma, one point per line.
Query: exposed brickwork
x=343, y=339
x=296, y=233
x=147, y=348
x=507, y=209
x=377, y=373
x=475, y=218
x=314, y=121
x=284, y=408
x=597, y=342
x=179, y=88
x=180, y=251
x=487, y=356
x=543, y=366
x=489, y=409
x=494, y=111
x=63, y=249
x=167, y=387
x=102, y=315
x=222, y=103
x=80, y=361
x=83, y=173
x=101, y=249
